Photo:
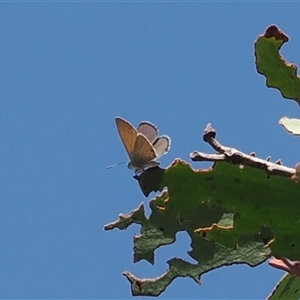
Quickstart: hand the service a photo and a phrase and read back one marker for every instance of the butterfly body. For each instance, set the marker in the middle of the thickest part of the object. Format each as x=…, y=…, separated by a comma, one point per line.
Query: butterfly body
x=143, y=145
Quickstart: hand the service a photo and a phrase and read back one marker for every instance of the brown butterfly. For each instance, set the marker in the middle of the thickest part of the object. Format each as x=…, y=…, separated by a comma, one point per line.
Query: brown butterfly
x=143, y=145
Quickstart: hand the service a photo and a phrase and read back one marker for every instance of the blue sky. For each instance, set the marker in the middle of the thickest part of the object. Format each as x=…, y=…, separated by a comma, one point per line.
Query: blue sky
x=67, y=69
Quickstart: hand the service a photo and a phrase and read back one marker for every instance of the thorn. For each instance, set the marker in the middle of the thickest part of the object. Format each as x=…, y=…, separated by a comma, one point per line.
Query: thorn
x=252, y=154
x=268, y=158
x=278, y=162
x=209, y=133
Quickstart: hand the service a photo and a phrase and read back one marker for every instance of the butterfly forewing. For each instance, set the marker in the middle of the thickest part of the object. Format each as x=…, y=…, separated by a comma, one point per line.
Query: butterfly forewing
x=128, y=135
x=162, y=145
x=143, y=151
x=149, y=130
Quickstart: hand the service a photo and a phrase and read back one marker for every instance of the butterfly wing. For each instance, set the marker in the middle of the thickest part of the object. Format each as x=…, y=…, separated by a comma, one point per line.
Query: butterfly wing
x=162, y=145
x=128, y=135
x=149, y=130
x=143, y=153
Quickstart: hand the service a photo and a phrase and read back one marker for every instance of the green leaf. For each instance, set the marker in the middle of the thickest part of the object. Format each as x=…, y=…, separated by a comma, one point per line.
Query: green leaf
x=180, y=268
x=262, y=207
x=278, y=72
x=287, y=288
x=160, y=229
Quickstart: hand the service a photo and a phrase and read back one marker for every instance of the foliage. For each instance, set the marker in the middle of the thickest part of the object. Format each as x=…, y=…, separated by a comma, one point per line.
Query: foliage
x=278, y=72
x=287, y=288
x=241, y=210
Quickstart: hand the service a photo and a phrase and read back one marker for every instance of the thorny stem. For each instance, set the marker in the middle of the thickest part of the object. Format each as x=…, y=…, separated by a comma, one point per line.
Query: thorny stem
x=235, y=156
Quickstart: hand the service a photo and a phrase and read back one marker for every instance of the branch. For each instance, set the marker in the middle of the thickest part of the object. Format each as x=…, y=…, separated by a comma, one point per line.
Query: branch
x=235, y=156
x=286, y=265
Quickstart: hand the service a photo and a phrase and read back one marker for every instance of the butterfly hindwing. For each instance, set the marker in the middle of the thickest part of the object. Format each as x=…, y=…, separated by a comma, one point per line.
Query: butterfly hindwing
x=149, y=130
x=128, y=135
x=162, y=145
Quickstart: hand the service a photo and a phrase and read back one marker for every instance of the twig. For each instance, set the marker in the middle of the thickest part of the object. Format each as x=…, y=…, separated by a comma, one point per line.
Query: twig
x=235, y=156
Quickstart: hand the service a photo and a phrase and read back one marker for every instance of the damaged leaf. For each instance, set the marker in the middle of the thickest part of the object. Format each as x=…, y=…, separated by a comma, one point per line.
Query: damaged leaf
x=279, y=73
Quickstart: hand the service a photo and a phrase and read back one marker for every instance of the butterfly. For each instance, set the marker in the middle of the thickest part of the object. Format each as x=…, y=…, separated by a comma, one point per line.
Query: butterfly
x=143, y=145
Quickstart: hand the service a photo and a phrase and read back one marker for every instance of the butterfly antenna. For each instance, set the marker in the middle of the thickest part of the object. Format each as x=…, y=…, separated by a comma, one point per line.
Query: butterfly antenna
x=112, y=166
